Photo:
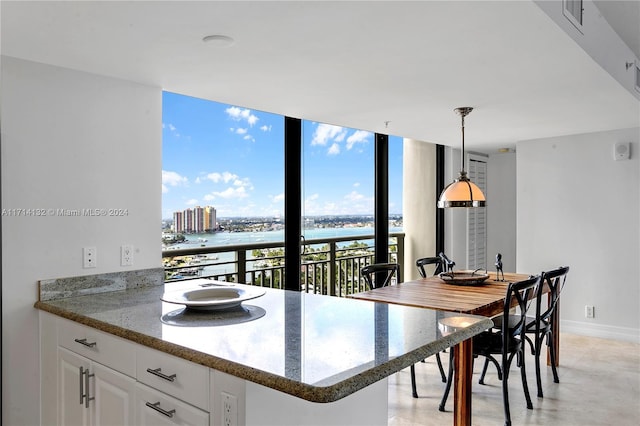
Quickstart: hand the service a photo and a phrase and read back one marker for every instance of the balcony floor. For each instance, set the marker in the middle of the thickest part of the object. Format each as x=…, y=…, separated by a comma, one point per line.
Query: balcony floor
x=599, y=385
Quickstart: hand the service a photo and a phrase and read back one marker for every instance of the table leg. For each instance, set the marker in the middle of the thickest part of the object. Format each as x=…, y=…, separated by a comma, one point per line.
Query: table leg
x=463, y=369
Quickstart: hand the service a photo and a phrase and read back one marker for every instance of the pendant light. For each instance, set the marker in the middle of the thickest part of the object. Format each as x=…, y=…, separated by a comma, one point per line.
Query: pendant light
x=462, y=192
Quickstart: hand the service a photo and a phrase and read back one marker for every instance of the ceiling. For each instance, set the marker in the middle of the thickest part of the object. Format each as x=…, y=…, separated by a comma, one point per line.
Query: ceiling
x=392, y=67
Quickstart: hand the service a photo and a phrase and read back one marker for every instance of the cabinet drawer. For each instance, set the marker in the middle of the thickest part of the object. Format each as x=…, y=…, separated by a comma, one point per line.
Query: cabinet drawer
x=112, y=351
x=175, y=376
x=156, y=408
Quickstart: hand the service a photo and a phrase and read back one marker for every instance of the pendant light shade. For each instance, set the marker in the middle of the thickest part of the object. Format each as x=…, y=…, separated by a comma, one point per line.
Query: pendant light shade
x=462, y=192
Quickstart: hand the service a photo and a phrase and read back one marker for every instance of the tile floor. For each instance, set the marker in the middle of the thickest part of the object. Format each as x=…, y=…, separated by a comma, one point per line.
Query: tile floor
x=599, y=385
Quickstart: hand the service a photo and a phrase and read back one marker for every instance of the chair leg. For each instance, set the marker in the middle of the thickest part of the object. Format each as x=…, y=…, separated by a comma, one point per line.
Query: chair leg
x=552, y=352
x=505, y=392
x=537, y=362
x=484, y=371
x=533, y=351
x=447, y=388
x=525, y=386
x=413, y=381
x=439, y=361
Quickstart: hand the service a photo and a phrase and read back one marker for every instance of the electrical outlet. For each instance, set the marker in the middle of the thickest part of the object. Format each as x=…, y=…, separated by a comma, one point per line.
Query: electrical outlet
x=126, y=255
x=229, y=409
x=89, y=257
x=589, y=311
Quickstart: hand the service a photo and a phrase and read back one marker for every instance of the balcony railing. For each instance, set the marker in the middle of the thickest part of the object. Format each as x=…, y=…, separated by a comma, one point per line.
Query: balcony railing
x=330, y=266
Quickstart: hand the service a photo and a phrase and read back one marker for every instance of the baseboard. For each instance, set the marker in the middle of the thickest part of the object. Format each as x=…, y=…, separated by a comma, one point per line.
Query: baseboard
x=581, y=328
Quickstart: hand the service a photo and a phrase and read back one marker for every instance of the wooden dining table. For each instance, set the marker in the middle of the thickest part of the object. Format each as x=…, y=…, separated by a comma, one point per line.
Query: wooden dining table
x=486, y=299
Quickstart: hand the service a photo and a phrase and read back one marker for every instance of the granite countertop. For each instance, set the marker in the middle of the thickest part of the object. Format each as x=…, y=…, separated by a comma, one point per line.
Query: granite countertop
x=319, y=348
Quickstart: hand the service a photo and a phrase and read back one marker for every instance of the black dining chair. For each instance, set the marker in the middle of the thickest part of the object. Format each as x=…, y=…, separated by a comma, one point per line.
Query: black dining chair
x=423, y=261
x=543, y=324
x=379, y=275
x=420, y=264
x=507, y=342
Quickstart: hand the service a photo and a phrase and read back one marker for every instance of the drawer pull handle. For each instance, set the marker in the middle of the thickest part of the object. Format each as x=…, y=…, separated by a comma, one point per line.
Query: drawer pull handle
x=156, y=406
x=84, y=342
x=158, y=372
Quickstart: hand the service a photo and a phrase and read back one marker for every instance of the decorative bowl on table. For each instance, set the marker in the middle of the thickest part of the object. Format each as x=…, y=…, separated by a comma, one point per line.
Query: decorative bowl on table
x=464, y=277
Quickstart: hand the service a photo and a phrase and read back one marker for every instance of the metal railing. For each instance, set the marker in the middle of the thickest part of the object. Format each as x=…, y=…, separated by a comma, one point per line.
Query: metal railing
x=329, y=266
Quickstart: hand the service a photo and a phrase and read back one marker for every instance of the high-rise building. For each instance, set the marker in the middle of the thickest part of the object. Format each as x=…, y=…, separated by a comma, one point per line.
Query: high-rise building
x=198, y=219
x=188, y=221
x=209, y=219
x=178, y=222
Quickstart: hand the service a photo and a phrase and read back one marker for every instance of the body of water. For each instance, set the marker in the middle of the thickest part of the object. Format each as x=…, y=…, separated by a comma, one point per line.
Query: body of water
x=218, y=239
x=221, y=239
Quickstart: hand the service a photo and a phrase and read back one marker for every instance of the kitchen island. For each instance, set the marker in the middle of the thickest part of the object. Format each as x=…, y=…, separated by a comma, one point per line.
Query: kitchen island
x=286, y=357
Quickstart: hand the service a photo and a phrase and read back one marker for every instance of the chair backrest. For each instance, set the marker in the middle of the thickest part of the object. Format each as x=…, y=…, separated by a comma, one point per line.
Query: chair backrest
x=420, y=263
x=554, y=280
x=522, y=292
x=379, y=275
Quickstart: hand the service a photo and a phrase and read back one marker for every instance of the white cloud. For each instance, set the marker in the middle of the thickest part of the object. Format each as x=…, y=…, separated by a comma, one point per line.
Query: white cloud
x=354, y=196
x=192, y=202
x=172, y=179
x=231, y=192
x=334, y=149
x=239, y=114
x=265, y=128
x=221, y=177
x=277, y=198
x=359, y=136
x=238, y=187
x=327, y=132
x=172, y=129
x=357, y=184
x=241, y=131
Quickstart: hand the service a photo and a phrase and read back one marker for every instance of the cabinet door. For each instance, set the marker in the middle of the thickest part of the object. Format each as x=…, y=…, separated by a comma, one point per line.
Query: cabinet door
x=114, y=396
x=71, y=409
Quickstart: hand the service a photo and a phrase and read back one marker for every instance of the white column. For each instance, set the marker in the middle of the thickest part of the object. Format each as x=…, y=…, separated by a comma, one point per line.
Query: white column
x=419, y=203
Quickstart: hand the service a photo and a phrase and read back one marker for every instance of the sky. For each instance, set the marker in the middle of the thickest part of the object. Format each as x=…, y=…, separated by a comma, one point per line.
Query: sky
x=232, y=158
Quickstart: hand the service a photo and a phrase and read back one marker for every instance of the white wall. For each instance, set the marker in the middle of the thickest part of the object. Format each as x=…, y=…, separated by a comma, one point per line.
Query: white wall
x=501, y=210
x=70, y=140
x=579, y=207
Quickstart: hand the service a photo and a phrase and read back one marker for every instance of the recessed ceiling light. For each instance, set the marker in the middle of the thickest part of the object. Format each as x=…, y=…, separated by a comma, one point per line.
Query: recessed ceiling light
x=219, y=40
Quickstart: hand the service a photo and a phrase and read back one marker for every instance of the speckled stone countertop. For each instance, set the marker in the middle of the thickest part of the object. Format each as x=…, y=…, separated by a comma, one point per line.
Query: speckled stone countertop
x=319, y=348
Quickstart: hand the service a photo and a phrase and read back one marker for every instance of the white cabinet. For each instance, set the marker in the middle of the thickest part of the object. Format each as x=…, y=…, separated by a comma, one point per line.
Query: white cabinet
x=93, y=378
x=71, y=409
x=92, y=394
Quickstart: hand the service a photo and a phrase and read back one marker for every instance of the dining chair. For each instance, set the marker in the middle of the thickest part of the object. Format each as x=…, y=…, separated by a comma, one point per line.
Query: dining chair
x=543, y=324
x=507, y=342
x=420, y=264
x=379, y=275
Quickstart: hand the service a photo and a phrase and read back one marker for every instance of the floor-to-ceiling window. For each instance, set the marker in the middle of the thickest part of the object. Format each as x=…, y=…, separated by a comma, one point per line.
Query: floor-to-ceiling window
x=224, y=177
